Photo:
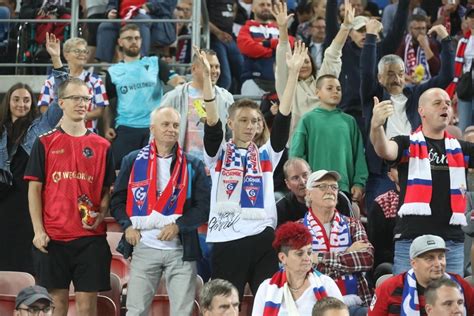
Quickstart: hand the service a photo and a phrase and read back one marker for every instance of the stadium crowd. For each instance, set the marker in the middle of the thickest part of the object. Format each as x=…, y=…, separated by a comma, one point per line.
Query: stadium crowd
x=318, y=154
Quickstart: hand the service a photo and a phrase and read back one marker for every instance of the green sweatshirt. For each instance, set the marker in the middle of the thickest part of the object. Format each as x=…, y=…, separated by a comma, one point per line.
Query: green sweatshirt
x=331, y=140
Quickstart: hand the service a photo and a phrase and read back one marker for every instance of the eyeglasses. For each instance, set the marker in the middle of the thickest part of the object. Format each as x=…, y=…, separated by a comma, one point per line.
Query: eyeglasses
x=77, y=99
x=131, y=38
x=324, y=186
x=48, y=310
x=80, y=51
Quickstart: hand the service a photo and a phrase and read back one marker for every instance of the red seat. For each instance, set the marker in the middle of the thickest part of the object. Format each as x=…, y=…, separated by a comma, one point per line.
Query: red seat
x=115, y=293
x=112, y=225
x=120, y=267
x=105, y=306
x=113, y=238
x=247, y=302
x=7, y=304
x=12, y=282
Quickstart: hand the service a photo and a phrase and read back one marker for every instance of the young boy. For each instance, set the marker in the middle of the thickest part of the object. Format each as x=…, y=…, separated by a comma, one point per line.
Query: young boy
x=329, y=139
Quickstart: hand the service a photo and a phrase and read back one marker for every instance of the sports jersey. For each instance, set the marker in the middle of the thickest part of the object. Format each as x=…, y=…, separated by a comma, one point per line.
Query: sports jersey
x=73, y=171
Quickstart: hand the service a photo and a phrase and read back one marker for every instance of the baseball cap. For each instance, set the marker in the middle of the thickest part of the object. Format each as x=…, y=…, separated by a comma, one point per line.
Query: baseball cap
x=359, y=22
x=31, y=294
x=315, y=176
x=425, y=243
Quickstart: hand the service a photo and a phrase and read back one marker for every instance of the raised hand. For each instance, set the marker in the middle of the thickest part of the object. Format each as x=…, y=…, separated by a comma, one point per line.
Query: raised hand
x=440, y=30
x=280, y=13
x=349, y=13
x=374, y=27
x=295, y=61
x=382, y=110
x=53, y=45
x=202, y=59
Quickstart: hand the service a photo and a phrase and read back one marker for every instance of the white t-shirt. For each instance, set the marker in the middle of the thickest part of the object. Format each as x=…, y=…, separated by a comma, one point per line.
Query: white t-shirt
x=230, y=226
x=397, y=123
x=149, y=236
x=468, y=55
x=304, y=303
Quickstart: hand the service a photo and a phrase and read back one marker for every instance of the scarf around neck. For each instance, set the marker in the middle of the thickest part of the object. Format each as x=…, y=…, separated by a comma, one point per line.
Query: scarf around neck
x=279, y=284
x=240, y=184
x=339, y=240
x=142, y=196
x=458, y=63
x=410, y=302
x=419, y=184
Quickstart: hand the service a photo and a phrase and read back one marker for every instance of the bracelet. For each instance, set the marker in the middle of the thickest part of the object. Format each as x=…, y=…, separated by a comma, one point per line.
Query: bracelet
x=347, y=27
x=210, y=100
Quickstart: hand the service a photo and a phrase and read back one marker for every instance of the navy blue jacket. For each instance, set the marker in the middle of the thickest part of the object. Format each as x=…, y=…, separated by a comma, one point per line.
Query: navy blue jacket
x=195, y=212
x=351, y=53
x=370, y=87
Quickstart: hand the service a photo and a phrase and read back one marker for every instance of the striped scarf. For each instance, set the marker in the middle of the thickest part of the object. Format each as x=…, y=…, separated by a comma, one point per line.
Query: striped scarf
x=410, y=302
x=339, y=240
x=419, y=185
x=413, y=59
x=458, y=63
x=142, y=197
x=388, y=202
x=279, y=284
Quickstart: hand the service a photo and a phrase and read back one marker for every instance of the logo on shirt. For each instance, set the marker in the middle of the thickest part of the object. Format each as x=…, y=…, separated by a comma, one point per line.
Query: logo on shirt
x=87, y=152
x=230, y=187
x=58, y=152
x=123, y=89
x=57, y=176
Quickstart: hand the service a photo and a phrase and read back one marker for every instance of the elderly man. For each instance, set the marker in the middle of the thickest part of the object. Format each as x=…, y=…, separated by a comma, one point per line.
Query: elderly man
x=33, y=300
x=187, y=98
x=292, y=206
x=444, y=298
x=160, y=198
x=404, y=294
x=341, y=248
x=431, y=171
x=389, y=84
x=219, y=298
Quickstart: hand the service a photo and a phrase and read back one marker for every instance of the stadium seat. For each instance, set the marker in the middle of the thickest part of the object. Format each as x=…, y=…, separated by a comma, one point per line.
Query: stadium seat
x=105, y=306
x=12, y=282
x=112, y=225
x=113, y=238
x=115, y=293
x=382, y=279
x=120, y=267
x=7, y=304
x=247, y=302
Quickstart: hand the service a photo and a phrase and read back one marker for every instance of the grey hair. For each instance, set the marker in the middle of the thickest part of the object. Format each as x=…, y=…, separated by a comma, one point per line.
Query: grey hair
x=214, y=288
x=157, y=111
x=389, y=60
x=73, y=42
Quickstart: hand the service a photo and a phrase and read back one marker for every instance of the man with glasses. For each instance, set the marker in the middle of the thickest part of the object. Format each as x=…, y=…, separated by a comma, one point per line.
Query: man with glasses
x=33, y=301
x=341, y=248
x=76, y=54
x=70, y=172
x=136, y=82
x=419, y=52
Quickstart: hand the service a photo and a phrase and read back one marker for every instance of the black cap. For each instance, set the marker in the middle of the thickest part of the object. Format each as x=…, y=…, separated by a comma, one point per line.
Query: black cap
x=31, y=294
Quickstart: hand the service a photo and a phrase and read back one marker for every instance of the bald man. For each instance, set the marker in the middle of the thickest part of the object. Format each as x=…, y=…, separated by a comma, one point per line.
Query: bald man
x=431, y=174
x=160, y=198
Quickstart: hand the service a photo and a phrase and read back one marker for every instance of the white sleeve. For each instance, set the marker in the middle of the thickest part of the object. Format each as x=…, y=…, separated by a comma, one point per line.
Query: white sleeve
x=259, y=300
x=331, y=287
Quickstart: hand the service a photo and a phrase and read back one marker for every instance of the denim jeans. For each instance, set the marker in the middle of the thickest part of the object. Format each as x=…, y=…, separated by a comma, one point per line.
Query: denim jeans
x=231, y=63
x=454, y=257
x=465, y=113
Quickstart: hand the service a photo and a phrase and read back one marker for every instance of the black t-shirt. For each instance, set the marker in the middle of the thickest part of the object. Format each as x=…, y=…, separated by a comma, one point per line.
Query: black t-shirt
x=221, y=14
x=412, y=226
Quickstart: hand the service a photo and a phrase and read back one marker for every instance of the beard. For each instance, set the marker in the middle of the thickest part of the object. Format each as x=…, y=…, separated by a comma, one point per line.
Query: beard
x=264, y=15
x=131, y=52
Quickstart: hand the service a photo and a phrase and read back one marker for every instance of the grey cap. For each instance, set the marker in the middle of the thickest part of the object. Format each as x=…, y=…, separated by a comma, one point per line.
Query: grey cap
x=31, y=294
x=359, y=22
x=317, y=175
x=425, y=243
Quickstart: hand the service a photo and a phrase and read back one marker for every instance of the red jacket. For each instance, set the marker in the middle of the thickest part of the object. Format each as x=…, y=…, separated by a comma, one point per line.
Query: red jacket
x=388, y=297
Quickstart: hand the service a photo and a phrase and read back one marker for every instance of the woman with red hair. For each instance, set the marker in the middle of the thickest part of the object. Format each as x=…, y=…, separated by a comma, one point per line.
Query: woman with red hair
x=296, y=287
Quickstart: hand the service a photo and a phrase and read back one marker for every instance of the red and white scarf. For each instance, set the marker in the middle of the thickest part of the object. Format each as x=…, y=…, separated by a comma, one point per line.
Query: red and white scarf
x=240, y=184
x=458, y=63
x=419, y=184
x=413, y=59
x=130, y=8
x=388, y=203
x=145, y=208
x=278, y=291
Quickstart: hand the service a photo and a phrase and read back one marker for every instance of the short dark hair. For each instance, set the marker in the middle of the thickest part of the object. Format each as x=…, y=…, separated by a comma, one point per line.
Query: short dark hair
x=214, y=288
x=320, y=80
x=63, y=86
x=432, y=288
x=418, y=18
x=240, y=104
x=327, y=303
x=290, y=162
x=129, y=27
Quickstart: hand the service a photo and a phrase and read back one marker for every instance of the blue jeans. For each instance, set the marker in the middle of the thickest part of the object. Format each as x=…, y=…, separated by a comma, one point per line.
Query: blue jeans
x=454, y=257
x=358, y=311
x=231, y=62
x=376, y=184
x=465, y=113
x=4, y=26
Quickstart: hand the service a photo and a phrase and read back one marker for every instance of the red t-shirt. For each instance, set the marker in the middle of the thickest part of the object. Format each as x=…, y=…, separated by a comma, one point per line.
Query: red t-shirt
x=73, y=171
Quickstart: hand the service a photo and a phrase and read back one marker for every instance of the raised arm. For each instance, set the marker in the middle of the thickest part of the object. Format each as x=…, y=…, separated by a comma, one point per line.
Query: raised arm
x=385, y=148
x=394, y=36
x=332, y=27
x=281, y=16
